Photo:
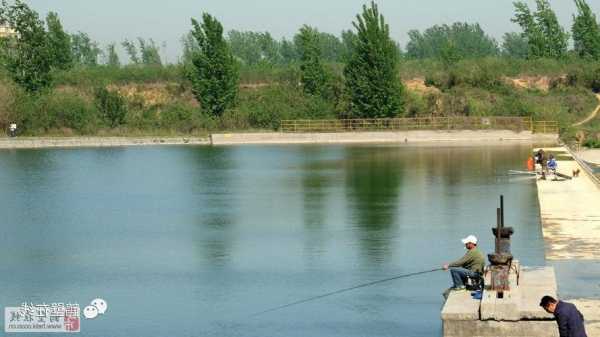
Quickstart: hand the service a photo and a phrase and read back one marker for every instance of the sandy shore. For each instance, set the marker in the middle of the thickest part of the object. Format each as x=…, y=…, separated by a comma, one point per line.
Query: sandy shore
x=71, y=142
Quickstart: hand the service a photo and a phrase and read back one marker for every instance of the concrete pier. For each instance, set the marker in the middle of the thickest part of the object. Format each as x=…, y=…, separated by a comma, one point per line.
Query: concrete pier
x=570, y=212
x=570, y=216
x=517, y=314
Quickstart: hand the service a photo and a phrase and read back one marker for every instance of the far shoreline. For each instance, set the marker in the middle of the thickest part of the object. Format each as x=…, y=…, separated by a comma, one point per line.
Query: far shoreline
x=420, y=137
x=7, y=143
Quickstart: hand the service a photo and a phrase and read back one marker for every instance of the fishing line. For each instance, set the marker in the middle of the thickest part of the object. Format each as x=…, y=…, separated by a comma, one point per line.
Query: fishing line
x=344, y=290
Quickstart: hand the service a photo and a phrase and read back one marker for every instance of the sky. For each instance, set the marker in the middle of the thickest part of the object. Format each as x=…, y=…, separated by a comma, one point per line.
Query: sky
x=109, y=21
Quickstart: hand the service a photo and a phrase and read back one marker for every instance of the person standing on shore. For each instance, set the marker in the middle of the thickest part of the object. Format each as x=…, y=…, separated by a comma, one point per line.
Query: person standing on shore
x=540, y=159
x=570, y=320
x=13, y=130
x=552, y=166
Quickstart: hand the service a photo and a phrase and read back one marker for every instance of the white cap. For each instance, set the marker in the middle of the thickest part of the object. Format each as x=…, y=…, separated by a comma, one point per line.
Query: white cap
x=470, y=239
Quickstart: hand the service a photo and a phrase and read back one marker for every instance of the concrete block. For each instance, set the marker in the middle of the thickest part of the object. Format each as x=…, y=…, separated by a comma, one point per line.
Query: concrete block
x=529, y=307
x=460, y=306
x=497, y=329
x=500, y=309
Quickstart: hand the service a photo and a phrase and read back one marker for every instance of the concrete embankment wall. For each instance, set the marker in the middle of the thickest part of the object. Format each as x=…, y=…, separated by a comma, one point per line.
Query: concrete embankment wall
x=463, y=136
x=71, y=142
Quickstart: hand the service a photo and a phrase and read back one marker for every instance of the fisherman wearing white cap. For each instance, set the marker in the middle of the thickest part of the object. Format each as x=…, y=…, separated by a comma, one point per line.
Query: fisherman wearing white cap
x=471, y=265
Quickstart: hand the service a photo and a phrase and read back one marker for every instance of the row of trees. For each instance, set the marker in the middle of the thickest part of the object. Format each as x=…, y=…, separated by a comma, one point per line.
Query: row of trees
x=40, y=47
x=211, y=58
x=371, y=73
x=542, y=37
x=545, y=37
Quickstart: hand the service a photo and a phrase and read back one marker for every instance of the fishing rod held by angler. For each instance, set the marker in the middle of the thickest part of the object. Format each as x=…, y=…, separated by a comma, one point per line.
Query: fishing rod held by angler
x=345, y=290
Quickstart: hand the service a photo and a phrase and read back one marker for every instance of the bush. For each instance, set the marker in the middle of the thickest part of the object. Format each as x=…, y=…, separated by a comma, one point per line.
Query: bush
x=7, y=95
x=68, y=110
x=111, y=105
x=265, y=108
x=592, y=143
x=185, y=118
x=595, y=81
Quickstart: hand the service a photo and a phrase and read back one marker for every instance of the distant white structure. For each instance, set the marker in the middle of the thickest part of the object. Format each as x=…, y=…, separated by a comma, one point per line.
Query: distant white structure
x=6, y=31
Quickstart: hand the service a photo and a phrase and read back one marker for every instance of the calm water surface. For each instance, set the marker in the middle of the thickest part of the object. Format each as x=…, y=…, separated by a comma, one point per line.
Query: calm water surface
x=191, y=241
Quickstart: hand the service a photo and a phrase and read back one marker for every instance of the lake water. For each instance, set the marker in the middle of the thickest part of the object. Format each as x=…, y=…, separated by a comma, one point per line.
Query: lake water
x=190, y=241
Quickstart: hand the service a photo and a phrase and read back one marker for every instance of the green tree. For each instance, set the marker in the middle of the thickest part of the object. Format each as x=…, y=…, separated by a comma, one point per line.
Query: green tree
x=515, y=45
x=270, y=48
x=190, y=46
x=349, y=41
x=26, y=56
x=59, y=43
x=131, y=51
x=111, y=105
x=586, y=32
x=254, y=47
x=313, y=74
x=85, y=51
x=245, y=46
x=449, y=53
x=214, y=72
x=461, y=40
x=288, y=52
x=112, y=58
x=149, y=51
x=332, y=48
x=372, y=76
x=545, y=36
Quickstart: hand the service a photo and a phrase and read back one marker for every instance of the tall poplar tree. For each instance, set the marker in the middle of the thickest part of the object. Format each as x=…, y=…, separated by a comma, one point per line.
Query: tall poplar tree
x=214, y=72
x=85, y=50
x=586, y=31
x=26, y=56
x=372, y=77
x=545, y=36
x=112, y=58
x=313, y=74
x=59, y=43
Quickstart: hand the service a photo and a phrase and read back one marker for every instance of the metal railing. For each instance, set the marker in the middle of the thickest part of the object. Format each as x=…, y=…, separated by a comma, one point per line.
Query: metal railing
x=586, y=168
x=544, y=127
x=421, y=123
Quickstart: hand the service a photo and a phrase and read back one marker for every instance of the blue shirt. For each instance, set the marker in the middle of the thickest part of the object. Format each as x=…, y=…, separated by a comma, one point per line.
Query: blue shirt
x=552, y=164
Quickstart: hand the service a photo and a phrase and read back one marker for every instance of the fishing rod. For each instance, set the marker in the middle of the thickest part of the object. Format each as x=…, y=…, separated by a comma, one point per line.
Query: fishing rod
x=345, y=290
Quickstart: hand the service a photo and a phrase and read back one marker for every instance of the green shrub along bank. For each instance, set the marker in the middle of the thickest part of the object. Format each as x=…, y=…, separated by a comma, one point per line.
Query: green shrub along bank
x=90, y=102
